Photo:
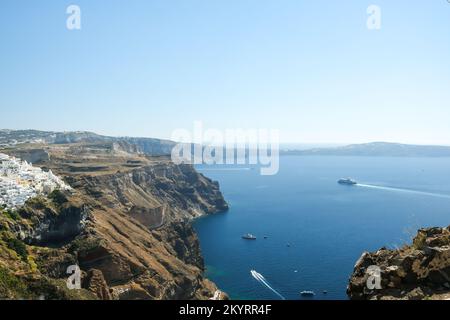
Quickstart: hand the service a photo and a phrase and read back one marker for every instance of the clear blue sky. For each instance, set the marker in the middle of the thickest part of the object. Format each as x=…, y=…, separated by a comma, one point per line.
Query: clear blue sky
x=311, y=68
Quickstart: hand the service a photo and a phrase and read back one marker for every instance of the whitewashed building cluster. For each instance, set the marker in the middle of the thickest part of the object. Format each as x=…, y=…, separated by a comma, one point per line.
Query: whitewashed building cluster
x=19, y=181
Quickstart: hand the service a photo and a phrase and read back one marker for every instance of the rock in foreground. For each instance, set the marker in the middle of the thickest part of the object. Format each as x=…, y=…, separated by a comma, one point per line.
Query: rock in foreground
x=419, y=271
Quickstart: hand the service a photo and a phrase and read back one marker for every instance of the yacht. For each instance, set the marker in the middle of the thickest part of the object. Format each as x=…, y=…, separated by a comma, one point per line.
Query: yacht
x=307, y=293
x=248, y=236
x=347, y=181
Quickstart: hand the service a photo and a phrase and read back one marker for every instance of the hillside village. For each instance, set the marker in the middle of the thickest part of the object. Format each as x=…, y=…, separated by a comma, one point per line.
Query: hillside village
x=20, y=181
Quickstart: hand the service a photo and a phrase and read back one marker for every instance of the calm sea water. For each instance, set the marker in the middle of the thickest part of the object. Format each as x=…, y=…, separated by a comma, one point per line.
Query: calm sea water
x=315, y=228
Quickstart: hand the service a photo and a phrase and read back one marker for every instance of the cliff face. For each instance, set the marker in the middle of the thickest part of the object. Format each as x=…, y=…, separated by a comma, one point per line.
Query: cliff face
x=126, y=224
x=419, y=271
x=148, y=245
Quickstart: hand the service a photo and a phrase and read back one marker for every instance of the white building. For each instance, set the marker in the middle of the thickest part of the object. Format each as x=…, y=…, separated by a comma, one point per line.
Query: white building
x=20, y=181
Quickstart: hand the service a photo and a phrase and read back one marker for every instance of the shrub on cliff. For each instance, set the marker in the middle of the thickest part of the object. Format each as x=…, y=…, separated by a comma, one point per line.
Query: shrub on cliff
x=17, y=246
x=12, y=287
x=38, y=203
x=84, y=245
x=57, y=197
x=11, y=214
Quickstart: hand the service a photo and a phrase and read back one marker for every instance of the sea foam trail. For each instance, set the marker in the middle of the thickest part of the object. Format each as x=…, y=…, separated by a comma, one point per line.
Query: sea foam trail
x=260, y=278
x=430, y=194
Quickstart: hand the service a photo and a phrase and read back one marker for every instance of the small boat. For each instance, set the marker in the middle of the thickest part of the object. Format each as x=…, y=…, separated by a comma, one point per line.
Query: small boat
x=307, y=293
x=347, y=181
x=248, y=236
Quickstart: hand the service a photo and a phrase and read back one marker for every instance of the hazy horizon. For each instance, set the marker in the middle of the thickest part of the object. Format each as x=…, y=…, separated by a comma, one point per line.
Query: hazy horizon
x=283, y=145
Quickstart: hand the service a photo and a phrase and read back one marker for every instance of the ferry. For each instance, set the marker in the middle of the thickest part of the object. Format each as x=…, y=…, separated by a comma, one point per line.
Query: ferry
x=347, y=181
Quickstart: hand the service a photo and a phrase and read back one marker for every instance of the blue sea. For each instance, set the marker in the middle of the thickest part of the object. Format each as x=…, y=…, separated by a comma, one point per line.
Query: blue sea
x=316, y=229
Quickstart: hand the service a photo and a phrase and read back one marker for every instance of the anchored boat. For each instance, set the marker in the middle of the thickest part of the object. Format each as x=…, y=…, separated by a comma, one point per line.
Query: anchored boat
x=248, y=236
x=307, y=293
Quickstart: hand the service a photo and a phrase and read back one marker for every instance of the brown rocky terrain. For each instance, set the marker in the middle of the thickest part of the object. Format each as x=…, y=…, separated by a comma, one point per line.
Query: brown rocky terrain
x=127, y=224
x=419, y=271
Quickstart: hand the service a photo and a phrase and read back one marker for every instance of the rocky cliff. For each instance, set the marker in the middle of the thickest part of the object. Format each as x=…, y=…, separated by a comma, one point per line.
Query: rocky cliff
x=127, y=225
x=418, y=271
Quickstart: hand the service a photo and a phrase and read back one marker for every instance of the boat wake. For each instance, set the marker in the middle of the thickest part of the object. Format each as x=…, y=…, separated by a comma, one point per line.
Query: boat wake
x=260, y=278
x=430, y=194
